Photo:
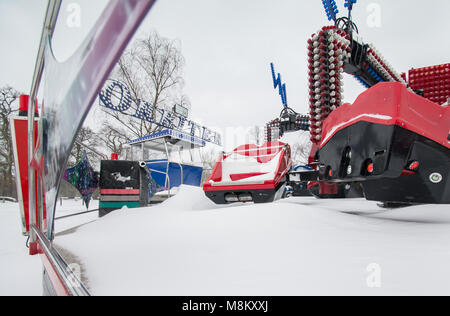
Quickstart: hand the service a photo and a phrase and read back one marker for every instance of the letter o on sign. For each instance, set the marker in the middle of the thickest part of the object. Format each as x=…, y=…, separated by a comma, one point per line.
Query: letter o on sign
x=118, y=93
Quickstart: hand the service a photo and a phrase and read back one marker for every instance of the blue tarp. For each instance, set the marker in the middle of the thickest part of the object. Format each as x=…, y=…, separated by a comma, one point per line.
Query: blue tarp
x=192, y=175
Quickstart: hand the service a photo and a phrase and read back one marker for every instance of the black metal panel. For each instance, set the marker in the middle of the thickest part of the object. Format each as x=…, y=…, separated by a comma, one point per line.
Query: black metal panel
x=387, y=146
x=143, y=187
x=120, y=175
x=390, y=149
x=349, y=190
x=113, y=174
x=259, y=196
x=300, y=188
x=419, y=187
x=358, y=64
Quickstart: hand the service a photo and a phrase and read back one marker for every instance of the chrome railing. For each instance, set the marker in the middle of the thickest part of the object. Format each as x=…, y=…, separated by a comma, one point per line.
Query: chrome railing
x=67, y=276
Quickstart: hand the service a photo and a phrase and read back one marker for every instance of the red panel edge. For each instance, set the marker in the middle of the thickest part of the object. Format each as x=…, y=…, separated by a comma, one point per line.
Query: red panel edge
x=57, y=283
x=216, y=174
x=240, y=176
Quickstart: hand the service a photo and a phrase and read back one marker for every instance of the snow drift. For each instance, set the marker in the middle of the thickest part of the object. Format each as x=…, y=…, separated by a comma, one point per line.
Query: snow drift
x=189, y=246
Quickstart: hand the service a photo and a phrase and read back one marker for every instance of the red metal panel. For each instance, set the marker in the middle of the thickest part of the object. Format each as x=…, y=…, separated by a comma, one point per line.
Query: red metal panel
x=392, y=104
x=20, y=142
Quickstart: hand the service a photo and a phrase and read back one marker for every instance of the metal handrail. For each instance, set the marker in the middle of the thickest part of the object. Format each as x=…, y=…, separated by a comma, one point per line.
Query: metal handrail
x=48, y=28
x=76, y=214
x=70, y=280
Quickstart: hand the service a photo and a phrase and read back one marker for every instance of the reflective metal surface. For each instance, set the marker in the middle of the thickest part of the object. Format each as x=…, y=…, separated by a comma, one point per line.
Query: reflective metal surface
x=51, y=17
x=72, y=87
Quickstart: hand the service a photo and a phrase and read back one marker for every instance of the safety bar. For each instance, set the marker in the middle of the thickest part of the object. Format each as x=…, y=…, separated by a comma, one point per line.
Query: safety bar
x=76, y=214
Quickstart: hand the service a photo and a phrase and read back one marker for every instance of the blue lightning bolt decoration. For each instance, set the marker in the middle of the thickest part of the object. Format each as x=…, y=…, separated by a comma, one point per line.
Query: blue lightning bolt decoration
x=331, y=9
x=349, y=4
x=281, y=87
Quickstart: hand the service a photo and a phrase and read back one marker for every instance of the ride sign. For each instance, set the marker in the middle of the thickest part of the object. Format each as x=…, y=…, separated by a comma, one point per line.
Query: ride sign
x=117, y=97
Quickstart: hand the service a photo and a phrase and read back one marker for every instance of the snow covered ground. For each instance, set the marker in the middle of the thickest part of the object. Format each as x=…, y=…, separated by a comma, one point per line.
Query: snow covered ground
x=21, y=274
x=189, y=246
x=69, y=207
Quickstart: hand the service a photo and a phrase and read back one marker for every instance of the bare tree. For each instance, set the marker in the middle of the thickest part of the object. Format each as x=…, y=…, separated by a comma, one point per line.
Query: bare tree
x=114, y=138
x=256, y=135
x=209, y=157
x=152, y=71
x=86, y=139
x=301, y=148
x=8, y=97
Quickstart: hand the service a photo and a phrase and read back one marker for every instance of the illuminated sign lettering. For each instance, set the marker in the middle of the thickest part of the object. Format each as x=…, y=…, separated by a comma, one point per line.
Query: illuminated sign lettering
x=117, y=97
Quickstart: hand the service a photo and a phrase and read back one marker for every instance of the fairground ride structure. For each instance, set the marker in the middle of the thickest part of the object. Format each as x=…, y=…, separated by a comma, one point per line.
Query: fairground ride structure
x=393, y=140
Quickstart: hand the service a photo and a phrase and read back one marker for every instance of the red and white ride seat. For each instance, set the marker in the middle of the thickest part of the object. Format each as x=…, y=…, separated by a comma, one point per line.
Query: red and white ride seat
x=250, y=173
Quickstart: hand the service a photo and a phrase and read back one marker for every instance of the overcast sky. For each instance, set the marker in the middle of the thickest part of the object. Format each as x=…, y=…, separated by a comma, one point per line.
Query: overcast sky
x=228, y=45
